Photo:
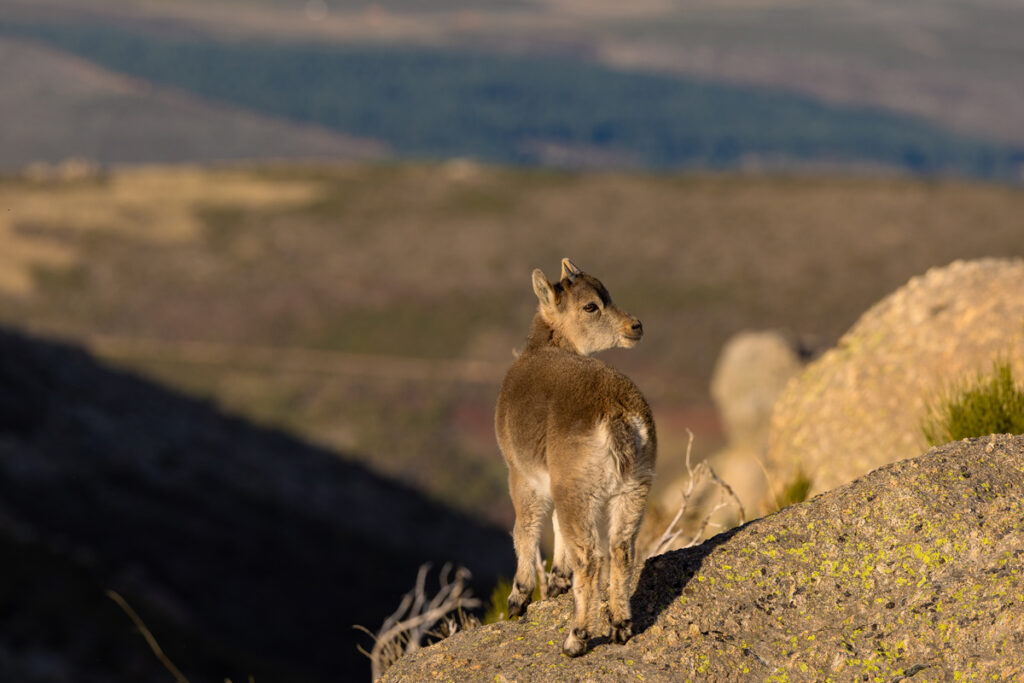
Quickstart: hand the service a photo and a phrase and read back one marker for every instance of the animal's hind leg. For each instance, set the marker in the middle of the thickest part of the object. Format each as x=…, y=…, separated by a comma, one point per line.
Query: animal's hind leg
x=531, y=507
x=625, y=515
x=577, y=520
x=561, y=564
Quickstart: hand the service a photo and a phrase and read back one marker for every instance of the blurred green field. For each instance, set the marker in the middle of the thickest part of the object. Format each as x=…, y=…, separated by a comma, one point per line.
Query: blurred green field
x=373, y=308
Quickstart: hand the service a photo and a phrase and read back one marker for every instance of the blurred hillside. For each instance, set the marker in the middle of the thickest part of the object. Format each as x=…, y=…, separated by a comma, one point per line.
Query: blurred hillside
x=953, y=61
x=57, y=106
x=928, y=88
x=374, y=309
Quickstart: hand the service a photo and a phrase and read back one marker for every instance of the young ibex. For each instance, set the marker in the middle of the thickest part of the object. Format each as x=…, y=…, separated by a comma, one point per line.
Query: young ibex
x=578, y=433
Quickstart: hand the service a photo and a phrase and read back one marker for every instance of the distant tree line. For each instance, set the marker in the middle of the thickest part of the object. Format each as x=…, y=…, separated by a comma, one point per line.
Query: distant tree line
x=432, y=103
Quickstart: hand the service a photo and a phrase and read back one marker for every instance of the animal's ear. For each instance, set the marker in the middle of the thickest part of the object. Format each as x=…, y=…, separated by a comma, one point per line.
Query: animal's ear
x=570, y=271
x=542, y=288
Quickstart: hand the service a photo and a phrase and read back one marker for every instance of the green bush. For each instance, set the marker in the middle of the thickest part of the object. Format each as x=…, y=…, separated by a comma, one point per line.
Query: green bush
x=988, y=405
x=796, y=490
x=497, y=608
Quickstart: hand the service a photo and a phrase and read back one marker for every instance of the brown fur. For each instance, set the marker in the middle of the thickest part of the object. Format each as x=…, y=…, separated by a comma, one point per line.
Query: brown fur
x=578, y=434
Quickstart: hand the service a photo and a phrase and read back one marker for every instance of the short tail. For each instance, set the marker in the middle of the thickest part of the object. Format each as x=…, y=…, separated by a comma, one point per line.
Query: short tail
x=631, y=436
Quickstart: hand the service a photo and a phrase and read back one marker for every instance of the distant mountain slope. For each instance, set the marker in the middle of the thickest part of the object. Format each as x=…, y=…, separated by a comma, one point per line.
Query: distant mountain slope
x=953, y=62
x=438, y=104
x=247, y=551
x=956, y=63
x=56, y=106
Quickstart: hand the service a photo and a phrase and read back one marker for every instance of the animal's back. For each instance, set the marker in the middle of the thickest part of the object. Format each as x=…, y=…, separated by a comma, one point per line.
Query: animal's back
x=553, y=394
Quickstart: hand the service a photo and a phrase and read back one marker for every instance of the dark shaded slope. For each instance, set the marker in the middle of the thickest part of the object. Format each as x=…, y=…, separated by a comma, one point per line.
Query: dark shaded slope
x=253, y=551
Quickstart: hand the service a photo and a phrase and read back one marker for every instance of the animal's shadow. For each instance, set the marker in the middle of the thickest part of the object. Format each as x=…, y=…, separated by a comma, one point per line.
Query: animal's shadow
x=664, y=577
x=662, y=581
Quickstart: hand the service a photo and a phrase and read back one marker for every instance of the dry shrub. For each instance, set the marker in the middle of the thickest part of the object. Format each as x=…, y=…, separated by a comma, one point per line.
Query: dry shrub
x=420, y=620
x=699, y=479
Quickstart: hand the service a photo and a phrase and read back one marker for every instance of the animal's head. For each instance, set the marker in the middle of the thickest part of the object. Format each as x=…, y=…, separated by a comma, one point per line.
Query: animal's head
x=580, y=310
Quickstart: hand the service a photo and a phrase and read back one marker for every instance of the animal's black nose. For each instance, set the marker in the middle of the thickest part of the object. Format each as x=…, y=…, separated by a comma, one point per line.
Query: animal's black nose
x=638, y=326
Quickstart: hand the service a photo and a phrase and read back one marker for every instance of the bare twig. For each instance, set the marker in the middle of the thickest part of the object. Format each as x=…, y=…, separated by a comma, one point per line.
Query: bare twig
x=732, y=494
x=671, y=533
x=150, y=639
x=696, y=474
x=695, y=539
x=404, y=631
x=771, y=482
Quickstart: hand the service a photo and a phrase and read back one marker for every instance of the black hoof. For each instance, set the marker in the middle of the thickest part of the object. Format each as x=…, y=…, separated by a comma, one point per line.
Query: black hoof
x=622, y=631
x=576, y=644
x=516, y=608
x=518, y=601
x=558, y=584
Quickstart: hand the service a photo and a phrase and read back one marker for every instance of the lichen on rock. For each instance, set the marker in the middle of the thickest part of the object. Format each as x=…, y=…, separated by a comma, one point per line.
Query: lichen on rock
x=913, y=569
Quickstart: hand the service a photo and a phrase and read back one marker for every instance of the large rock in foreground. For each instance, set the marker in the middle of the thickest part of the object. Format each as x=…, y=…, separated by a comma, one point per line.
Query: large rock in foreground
x=912, y=569
x=861, y=405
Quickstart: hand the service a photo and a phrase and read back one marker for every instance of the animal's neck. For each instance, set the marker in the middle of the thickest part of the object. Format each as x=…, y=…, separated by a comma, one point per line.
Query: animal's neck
x=543, y=335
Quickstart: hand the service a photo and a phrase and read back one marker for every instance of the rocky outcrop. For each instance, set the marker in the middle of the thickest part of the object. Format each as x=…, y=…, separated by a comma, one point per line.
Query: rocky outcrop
x=246, y=551
x=861, y=405
x=913, y=569
x=749, y=375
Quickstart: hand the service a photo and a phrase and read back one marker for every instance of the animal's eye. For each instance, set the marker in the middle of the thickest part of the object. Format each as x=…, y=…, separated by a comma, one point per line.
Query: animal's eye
x=590, y=308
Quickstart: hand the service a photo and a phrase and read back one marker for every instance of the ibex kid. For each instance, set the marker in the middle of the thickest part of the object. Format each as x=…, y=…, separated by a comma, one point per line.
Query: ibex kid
x=578, y=433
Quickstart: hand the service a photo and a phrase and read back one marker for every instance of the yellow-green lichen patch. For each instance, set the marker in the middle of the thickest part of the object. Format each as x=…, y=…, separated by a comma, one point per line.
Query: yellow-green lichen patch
x=841, y=588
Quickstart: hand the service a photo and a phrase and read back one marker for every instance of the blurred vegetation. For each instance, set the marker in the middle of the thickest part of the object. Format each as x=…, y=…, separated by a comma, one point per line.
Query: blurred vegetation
x=496, y=608
x=434, y=104
x=990, y=404
x=796, y=490
x=372, y=309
